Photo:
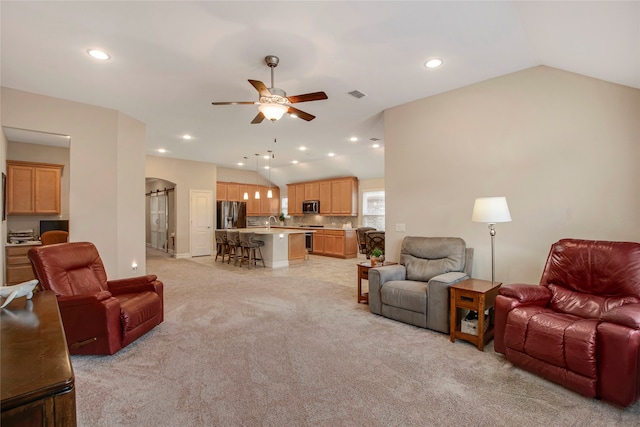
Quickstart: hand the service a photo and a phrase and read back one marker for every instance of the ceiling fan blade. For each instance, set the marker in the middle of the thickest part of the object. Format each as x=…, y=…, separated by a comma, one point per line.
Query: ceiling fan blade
x=301, y=114
x=234, y=103
x=257, y=119
x=260, y=87
x=315, y=96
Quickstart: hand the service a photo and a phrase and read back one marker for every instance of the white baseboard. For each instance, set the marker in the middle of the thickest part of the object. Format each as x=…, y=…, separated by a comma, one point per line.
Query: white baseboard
x=187, y=255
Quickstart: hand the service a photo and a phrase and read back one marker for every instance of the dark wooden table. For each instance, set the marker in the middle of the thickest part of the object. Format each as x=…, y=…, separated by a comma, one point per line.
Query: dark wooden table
x=363, y=273
x=37, y=385
x=477, y=295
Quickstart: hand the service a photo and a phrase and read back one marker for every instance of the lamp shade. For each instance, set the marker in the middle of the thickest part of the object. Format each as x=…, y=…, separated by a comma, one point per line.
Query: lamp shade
x=273, y=111
x=491, y=210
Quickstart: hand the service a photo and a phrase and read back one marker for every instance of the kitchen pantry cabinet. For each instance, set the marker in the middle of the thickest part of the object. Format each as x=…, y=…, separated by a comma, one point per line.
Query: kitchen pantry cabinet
x=338, y=196
x=33, y=188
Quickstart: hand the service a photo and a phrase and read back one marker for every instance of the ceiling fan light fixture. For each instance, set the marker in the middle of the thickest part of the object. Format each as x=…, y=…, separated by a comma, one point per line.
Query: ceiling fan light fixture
x=273, y=110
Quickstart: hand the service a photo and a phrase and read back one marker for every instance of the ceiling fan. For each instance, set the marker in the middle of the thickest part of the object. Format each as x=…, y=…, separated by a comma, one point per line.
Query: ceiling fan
x=274, y=102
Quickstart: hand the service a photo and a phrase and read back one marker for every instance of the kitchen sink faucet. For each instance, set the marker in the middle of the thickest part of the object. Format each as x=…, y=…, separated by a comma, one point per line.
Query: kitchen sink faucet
x=269, y=222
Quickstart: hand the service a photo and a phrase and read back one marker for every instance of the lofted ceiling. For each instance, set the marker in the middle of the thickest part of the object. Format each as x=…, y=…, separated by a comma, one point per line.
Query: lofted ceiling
x=170, y=60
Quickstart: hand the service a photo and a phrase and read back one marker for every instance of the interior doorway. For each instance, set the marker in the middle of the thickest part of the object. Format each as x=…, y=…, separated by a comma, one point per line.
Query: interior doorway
x=159, y=220
x=201, y=216
x=160, y=215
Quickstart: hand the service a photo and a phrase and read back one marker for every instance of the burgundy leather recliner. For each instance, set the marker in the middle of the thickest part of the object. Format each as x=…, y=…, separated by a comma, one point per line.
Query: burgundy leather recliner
x=581, y=326
x=99, y=316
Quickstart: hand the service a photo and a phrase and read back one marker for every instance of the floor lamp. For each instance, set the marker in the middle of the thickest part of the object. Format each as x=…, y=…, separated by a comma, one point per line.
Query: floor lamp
x=491, y=210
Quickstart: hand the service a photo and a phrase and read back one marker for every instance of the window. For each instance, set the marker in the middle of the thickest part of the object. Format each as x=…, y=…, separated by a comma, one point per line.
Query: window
x=284, y=206
x=373, y=209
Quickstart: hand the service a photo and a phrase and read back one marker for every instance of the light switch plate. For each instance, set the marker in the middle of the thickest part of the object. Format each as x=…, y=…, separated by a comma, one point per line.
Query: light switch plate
x=400, y=227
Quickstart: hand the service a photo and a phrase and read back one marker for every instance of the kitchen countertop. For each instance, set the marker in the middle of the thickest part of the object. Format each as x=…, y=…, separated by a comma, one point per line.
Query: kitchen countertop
x=294, y=227
x=29, y=243
x=274, y=230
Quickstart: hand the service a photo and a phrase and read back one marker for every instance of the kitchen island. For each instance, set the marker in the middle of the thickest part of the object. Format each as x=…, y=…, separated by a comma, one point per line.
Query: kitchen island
x=281, y=246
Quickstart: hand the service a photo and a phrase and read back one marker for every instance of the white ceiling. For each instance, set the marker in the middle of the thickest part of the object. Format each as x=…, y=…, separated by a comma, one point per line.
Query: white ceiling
x=170, y=60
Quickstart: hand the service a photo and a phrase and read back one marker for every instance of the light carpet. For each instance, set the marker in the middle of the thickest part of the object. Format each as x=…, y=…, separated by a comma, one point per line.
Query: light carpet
x=238, y=349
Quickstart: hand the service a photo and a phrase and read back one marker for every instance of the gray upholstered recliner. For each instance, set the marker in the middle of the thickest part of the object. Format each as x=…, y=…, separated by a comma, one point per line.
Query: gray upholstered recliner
x=416, y=291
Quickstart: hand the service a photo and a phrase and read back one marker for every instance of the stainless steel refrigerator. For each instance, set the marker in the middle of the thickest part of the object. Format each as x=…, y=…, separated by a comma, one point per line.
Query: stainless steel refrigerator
x=232, y=215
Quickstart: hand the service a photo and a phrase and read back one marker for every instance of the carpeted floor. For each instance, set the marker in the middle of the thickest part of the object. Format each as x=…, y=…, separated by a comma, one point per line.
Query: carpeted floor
x=291, y=347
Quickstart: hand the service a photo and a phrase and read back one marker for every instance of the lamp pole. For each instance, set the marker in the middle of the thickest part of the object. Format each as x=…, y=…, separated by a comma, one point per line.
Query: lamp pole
x=492, y=232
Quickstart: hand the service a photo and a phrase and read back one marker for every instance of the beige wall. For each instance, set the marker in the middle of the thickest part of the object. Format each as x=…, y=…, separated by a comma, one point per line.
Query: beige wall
x=563, y=148
x=187, y=175
x=106, y=197
x=241, y=176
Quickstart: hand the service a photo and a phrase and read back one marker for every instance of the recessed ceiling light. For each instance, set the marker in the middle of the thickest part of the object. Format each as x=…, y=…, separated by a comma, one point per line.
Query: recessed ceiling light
x=99, y=54
x=331, y=154
x=267, y=167
x=353, y=139
x=187, y=137
x=295, y=162
x=266, y=156
x=303, y=148
x=240, y=164
x=161, y=150
x=376, y=145
x=433, y=63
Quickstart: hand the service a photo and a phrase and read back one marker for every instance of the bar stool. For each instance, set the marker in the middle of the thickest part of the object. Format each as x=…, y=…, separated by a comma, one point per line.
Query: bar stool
x=249, y=247
x=222, y=246
x=234, y=245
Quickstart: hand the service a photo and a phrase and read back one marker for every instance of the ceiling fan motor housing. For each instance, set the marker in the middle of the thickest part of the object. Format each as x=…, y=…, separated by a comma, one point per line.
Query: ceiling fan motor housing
x=272, y=60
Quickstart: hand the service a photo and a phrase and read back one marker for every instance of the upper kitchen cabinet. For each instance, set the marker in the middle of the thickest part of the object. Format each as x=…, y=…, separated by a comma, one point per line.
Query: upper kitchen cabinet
x=234, y=192
x=311, y=191
x=344, y=196
x=33, y=188
x=337, y=196
x=270, y=206
x=325, y=197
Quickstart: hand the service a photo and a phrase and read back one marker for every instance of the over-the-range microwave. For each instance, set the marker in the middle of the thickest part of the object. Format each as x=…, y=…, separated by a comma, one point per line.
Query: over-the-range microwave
x=311, y=207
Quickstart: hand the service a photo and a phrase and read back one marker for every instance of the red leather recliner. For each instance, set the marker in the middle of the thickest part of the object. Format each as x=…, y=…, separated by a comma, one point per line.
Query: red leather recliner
x=99, y=316
x=581, y=326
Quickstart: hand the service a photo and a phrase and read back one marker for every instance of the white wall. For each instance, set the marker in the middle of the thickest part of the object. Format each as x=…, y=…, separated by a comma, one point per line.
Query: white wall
x=563, y=148
x=187, y=175
x=106, y=201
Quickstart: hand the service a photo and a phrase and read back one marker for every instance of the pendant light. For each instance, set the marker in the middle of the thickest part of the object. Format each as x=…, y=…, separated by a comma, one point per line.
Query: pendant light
x=244, y=166
x=269, y=192
x=257, y=173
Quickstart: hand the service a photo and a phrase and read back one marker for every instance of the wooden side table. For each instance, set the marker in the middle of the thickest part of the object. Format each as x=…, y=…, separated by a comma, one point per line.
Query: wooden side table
x=477, y=295
x=363, y=273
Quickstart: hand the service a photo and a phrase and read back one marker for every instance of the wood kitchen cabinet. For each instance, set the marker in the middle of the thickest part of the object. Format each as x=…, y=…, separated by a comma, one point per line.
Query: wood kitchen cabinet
x=337, y=196
x=221, y=191
x=33, y=188
x=335, y=243
x=325, y=197
x=270, y=206
x=344, y=197
x=296, y=197
x=18, y=265
x=311, y=190
x=318, y=242
x=234, y=192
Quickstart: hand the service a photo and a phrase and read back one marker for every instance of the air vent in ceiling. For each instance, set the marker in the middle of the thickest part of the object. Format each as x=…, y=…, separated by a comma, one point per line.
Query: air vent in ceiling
x=357, y=94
